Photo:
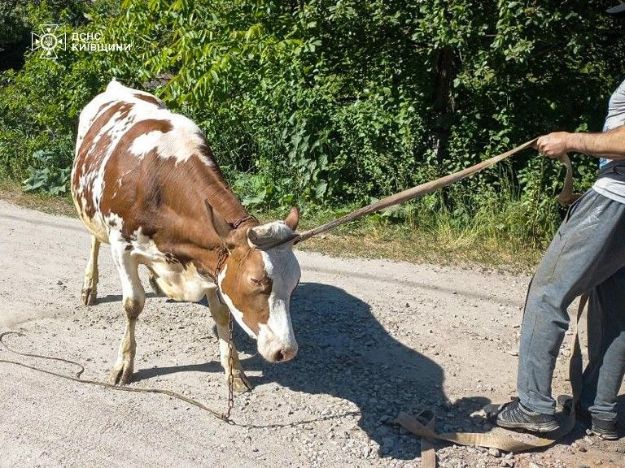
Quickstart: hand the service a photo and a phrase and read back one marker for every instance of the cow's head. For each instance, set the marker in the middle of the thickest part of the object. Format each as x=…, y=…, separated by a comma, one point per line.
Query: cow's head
x=256, y=283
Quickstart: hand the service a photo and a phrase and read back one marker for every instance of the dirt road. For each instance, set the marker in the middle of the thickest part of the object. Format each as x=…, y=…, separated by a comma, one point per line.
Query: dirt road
x=375, y=338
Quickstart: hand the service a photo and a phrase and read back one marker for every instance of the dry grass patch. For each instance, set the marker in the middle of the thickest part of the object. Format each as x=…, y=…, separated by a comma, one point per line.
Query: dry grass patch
x=12, y=192
x=442, y=244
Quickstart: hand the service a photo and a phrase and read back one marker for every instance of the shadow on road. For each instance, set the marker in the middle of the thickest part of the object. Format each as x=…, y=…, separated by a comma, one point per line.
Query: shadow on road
x=143, y=374
x=110, y=298
x=345, y=352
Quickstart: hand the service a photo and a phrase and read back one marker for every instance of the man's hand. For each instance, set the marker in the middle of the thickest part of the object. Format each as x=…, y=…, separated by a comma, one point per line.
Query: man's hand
x=610, y=144
x=554, y=144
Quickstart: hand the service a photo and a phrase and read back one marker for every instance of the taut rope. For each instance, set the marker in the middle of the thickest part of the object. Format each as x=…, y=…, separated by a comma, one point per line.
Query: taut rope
x=566, y=196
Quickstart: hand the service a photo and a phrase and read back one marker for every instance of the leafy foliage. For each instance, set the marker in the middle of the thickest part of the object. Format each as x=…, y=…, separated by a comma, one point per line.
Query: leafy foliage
x=51, y=172
x=337, y=102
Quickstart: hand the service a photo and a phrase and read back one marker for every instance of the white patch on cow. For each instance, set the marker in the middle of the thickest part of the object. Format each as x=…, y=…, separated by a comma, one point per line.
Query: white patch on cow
x=145, y=143
x=283, y=268
x=179, y=282
x=181, y=143
x=236, y=313
x=114, y=221
x=132, y=289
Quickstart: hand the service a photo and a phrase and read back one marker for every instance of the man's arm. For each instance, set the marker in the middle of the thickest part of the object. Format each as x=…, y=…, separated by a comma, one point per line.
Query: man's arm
x=609, y=144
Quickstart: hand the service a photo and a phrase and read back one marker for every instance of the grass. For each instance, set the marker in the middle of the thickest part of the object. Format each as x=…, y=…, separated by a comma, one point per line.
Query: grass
x=424, y=237
x=440, y=241
x=12, y=191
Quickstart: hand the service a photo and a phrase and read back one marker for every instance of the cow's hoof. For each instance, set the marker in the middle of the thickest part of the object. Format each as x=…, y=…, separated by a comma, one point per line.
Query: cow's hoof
x=120, y=374
x=89, y=296
x=240, y=384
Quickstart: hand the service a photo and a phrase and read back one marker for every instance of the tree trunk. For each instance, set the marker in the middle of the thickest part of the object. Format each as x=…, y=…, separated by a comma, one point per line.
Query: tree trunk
x=443, y=107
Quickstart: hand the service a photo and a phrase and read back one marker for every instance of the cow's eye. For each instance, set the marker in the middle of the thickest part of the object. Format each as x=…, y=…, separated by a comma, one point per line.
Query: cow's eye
x=263, y=285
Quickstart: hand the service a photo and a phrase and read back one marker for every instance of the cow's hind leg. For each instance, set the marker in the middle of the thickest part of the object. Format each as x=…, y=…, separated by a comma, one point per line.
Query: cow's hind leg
x=154, y=284
x=89, y=291
x=133, y=301
x=221, y=315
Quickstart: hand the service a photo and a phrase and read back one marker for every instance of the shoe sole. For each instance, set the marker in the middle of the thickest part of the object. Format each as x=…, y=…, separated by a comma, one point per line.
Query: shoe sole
x=605, y=436
x=542, y=428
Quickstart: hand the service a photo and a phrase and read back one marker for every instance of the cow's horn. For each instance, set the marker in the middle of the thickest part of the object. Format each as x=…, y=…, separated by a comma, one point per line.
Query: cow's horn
x=257, y=239
x=265, y=239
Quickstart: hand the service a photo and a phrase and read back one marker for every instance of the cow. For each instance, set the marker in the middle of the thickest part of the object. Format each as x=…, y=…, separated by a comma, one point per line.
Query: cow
x=145, y=181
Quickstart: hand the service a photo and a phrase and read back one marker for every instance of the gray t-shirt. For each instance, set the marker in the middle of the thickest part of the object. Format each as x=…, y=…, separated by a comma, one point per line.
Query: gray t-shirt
x=613, y=189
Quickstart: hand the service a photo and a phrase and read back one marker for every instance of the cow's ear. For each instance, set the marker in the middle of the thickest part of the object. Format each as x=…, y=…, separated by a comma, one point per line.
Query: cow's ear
x=292, y=219
x=219, y=224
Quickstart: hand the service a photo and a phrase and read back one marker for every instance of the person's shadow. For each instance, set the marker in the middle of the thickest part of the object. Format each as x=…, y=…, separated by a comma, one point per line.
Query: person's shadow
x=345, y=352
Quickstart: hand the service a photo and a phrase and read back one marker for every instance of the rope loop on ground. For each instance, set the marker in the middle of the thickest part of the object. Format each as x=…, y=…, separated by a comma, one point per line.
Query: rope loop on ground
x=76, y=378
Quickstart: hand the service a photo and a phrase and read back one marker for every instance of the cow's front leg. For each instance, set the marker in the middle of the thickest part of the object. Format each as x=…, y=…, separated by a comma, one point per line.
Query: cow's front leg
x=133, y=301
x=221, y=315
x=89, y=291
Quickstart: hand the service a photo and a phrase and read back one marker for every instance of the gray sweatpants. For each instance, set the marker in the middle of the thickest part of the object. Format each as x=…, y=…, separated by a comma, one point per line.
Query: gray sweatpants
x=587, y=255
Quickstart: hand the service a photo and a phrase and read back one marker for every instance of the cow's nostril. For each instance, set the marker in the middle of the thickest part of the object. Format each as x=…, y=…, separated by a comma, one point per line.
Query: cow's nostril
x=279, y=356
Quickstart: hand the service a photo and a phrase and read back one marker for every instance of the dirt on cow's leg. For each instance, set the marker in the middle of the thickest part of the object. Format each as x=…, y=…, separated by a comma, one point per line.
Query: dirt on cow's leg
x=121, y=373
x=133, y=302
x=89, y=291
x=221, y=316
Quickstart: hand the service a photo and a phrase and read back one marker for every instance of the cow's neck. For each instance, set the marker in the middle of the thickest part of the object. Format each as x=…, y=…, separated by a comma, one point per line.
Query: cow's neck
x=199, y=241
x=224, y=203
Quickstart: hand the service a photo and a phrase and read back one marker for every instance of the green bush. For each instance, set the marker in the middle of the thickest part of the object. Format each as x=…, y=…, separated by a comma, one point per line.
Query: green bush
x=51, y=169
x=338, y=102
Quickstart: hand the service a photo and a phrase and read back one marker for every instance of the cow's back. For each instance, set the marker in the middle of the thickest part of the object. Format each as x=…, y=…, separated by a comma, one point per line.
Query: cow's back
x=127, y=150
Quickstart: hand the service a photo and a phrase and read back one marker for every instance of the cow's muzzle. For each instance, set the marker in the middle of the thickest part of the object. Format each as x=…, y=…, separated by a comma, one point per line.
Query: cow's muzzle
x=285, y=354
x=274, y=349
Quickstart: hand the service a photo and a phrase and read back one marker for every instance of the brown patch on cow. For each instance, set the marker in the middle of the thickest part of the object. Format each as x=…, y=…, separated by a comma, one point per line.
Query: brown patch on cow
x=165, y=198
x=101, y=108
x=148, y=98
x=91, y=153
x=247, y=285
x=142, y=127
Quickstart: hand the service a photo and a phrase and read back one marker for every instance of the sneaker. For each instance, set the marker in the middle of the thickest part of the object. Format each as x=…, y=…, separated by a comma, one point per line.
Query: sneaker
x=514, y=415
x=604, y=428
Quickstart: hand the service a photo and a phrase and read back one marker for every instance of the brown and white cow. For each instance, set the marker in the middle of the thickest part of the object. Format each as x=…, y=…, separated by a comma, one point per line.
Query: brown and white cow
x=144, y=180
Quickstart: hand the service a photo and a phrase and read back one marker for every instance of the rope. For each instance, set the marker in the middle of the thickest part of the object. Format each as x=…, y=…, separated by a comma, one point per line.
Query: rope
x=76, y=378
x=566, y=196
x=411, y=193
x=221, y=416
x=424, y=427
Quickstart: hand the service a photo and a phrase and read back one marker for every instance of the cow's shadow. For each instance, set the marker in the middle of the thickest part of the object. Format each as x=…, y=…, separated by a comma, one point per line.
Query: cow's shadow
x=345, y=352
